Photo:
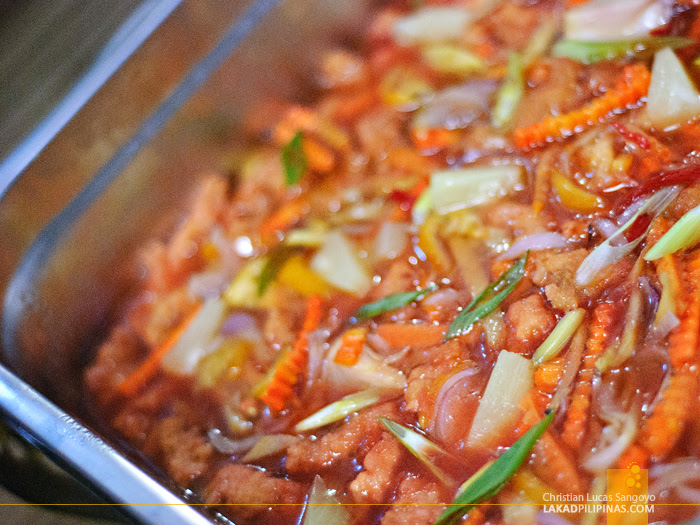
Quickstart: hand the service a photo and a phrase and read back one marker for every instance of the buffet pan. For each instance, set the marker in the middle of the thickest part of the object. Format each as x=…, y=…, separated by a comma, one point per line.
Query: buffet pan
x=73, y=209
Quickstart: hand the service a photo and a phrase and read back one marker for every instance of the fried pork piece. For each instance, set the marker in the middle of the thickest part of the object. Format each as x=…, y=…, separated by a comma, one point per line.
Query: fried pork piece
x=556, y=273
x=530, y=320
x=416, y=502
x=184, y=449
x=255, y=493
x=352, y=440
x=381, y=466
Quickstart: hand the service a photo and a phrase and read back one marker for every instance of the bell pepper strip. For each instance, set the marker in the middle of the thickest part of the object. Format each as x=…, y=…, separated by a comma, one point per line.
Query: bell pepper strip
x=351, y=346
x=682, y=176
x=136, y=379
x=573, y=196
x=278, y=389
x=628, y=90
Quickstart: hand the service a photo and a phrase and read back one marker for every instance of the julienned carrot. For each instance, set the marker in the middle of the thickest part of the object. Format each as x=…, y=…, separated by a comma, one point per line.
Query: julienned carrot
x=577, y=415
x=287, y=216
x=279, y=388
x=418, y=336
x=549, y=459
x=683, y=340
x=136, y=379
x=351, y=345
x=632, y=86
x=547, y=377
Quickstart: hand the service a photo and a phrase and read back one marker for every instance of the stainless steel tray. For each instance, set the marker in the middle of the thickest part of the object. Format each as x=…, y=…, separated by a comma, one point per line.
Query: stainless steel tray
x=110, y=180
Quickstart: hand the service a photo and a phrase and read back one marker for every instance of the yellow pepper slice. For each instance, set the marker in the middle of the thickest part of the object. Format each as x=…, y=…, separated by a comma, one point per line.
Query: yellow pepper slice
x=297, y=275
x=573, y=196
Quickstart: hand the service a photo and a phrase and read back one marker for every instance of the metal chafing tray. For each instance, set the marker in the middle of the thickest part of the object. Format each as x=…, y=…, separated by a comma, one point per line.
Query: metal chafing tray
x=107, y=170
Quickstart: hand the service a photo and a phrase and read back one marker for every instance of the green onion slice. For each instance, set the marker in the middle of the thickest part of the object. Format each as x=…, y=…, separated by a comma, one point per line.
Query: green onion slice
x=685, y=233
x=278, y=256
x=294, y=160
x=490, y=481
x=392, y=302
x=488, y=300
x=590, y=51
x=562, y=333
x=510, y=93
x=340, y=409
x=421, y=447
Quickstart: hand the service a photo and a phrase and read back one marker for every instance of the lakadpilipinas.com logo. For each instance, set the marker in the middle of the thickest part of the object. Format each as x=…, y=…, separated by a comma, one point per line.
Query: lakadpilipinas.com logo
x=625, y=502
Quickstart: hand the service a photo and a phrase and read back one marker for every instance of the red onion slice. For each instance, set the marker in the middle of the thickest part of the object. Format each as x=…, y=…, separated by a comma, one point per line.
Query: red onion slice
x=534, y=243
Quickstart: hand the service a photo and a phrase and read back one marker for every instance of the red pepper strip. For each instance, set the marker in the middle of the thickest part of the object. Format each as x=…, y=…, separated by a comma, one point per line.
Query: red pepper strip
x=406, y=199
x=686, y=175
x=638, y=227
x=632, y=136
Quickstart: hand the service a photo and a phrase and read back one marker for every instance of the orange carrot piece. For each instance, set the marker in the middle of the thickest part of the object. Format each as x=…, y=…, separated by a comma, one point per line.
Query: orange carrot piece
x=287, y=216
x=319, y=157
x=136, y=379
x=683, y=340
x=433, y=138
x=633, y=85
x=351, y=347
x=604, y=317
x=279, y=388
x=418, y=336
x=475, y=517
x=548, y=375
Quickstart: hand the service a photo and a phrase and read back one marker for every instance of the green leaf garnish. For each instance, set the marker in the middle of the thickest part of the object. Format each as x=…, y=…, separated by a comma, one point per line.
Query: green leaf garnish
x=421, y=447
x=510, y=93
x=294, y=160
x=392, y=302
x=589, y=51
x=491, y=480
x=488, y=300
x=684, y=233
x=340, y=409
x=278, y=256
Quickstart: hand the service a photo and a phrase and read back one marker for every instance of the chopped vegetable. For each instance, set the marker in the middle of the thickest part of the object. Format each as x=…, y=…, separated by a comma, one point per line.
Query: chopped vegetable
x=323, y=508
x=391, y=240
x=414, y=335
x=492, y=480
x=683, y=234
x=604, y=318
x=574, y=197
x=339, y=264
x=270, y=445
x=277, y=389
x=447, y=58
x=605, y=253
x=673, y=98
x=560, y=336
x=615, y=19
x=539, y=42
x=230, y=355
x=421, y=208
x=487, y=301
x=273, y=264
x=463, y=188
x=352, y=342
x=294, y=160
x=340, y=409
x=243, y=290
x=510, y=93
x=403, y=89
x=631, y=87
x=136, y=379
x=310, y=237
x=499, y=408
x=587, y=51
x=296, y=274
x=421, y=447
x=432, y=24
x=392, y=302
x=196, y=340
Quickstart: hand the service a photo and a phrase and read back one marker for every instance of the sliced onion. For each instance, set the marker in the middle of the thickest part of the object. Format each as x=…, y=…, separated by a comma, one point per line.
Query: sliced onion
x=229, y=446
x=667, y=323
x=338, y=262
x=549, y=518
x=605, y=226
x=673, y=98
x=605, y=457
x=688, y=494
x=340, y=409
x=318, y=346
x=453, y=386
x=241, y=325
x=534, y=243
x=672, y=476
x=369, y=371
x=270, y=445
x=432, y=24
x=456, y=107
x=600, y=20
x=208, y=284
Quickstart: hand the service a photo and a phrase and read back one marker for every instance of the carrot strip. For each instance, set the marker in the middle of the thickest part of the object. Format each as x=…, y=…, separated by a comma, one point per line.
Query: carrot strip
x=136, y=379
x=475, y=517
x=604, y=317
x=351, y=346
x=279, y=389
x=633, y=85
x=683, y=340
x=318, y=156
x=287, y=216
x=414, y=335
